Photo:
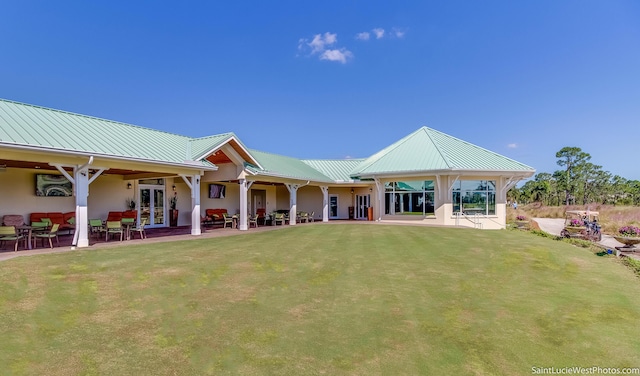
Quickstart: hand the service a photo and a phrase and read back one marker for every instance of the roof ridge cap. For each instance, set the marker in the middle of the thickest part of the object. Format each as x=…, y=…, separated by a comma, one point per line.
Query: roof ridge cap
x=212, y=136
x=387, y=150
x=443, y=155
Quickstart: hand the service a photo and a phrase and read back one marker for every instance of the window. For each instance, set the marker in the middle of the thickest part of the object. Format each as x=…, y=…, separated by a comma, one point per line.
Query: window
x=409, y=198
x=474, y=197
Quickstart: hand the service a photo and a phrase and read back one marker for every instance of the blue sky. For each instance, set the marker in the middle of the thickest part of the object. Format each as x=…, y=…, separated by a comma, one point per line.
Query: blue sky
x=338, y=79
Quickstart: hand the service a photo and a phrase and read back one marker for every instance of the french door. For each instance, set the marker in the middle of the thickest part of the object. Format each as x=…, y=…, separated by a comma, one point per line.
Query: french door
x=152, y=207
x=333, y=206
x=362, y=205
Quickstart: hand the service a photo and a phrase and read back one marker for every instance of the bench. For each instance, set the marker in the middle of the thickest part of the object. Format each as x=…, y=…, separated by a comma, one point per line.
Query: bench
x=66, y=221
x=213, y=217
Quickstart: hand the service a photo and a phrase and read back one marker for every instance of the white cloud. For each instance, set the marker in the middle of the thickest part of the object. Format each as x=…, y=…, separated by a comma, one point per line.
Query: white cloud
x=341, y=55
x=512, y=146
x=398, y=33
x=320, y=41
x=379, y=32
x=320, y=45
x=363, y=36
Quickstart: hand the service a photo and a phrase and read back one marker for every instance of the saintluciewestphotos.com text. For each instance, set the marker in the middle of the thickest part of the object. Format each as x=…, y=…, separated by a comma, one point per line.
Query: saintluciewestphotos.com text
x=594, y=370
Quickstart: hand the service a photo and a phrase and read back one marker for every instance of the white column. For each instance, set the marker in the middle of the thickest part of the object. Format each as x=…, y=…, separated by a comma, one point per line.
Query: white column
x=81, y=236
x=249, y=199
x=193, y=182
x=80, y=181
x=325, y=203
x=242, y=221
x=293, y=205
x=195, y=205
x=381, y=192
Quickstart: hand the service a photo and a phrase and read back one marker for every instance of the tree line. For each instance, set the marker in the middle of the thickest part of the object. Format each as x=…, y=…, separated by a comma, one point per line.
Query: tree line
x=579, y=182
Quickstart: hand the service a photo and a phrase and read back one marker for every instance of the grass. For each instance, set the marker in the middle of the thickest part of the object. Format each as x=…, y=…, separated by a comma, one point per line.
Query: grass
x=320, y=299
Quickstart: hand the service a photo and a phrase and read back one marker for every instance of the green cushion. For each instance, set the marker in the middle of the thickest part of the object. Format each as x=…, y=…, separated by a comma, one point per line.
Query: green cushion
x=71, y=221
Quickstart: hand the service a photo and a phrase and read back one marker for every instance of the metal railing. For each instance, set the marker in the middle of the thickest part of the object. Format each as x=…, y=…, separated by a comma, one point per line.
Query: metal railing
x=476, y=219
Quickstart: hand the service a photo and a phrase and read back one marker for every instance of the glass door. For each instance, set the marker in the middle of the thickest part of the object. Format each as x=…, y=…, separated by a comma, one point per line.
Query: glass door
x=333, y=206
x=152, y=204
x=362, y=206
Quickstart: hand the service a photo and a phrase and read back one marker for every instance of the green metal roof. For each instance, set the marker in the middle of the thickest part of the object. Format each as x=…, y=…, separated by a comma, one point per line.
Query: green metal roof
x=201, y=147
x=424, y=150
x=285, y=167
x=33, y=126
x=429, y=150
x=336, y=169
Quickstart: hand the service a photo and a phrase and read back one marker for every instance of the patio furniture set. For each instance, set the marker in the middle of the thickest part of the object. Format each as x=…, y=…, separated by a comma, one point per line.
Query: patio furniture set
x=281, y=217
x=124, y=224
x=47, y=226
x=215, y=217
x=15, y=230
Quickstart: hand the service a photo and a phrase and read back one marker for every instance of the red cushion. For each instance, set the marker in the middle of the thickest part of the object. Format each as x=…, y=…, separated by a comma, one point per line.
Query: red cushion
x=56, y=217
x=114, y=216
x=216, y=212
x=130, y=214
x=68, y=215
x=36, y=217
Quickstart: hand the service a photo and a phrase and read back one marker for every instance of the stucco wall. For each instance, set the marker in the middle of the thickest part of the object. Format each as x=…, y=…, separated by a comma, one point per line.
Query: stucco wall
x=310, y=200
x=17, y=195
x=231, y=201
x=226, y=171
x=109, y=193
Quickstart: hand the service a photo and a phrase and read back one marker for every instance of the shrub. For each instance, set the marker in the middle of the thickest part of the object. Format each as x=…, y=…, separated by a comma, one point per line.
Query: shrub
x=631, y=231
x=521, y=218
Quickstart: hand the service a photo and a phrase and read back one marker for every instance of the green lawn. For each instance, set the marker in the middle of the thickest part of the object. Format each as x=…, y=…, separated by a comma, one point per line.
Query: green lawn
x=320, y=299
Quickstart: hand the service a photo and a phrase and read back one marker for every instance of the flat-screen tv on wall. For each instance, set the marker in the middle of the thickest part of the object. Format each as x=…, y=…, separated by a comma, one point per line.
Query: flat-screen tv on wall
x=216, y=190
x=48, y=185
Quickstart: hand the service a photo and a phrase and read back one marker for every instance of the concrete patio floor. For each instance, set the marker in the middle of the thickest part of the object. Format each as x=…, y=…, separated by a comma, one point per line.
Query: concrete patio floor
x=153, y=236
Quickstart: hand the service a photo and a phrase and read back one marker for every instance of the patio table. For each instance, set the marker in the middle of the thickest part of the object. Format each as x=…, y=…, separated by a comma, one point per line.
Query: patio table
x=27, y=232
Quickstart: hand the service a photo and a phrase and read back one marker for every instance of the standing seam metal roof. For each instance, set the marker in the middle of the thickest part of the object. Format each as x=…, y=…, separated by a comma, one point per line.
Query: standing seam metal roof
x=423, y=150
x=288, y=167
x=336, y=169
x=427, y=150
x=28, y=125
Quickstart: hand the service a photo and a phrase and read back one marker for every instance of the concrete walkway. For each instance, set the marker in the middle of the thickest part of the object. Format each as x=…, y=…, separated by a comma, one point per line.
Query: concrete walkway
x=554, y=226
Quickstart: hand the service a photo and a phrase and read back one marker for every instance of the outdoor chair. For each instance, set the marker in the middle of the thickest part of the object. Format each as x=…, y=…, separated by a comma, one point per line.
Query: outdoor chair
x=279, y=217
x=140, y=228
x=127, y=224
x=304, y=217
x=96, y=228
x=253, y=220
x=8, y=233
x=47, y=221
x=310, y=218
x=53, y=233
x=227, y=219
x=114, y=227
x=13, y=220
